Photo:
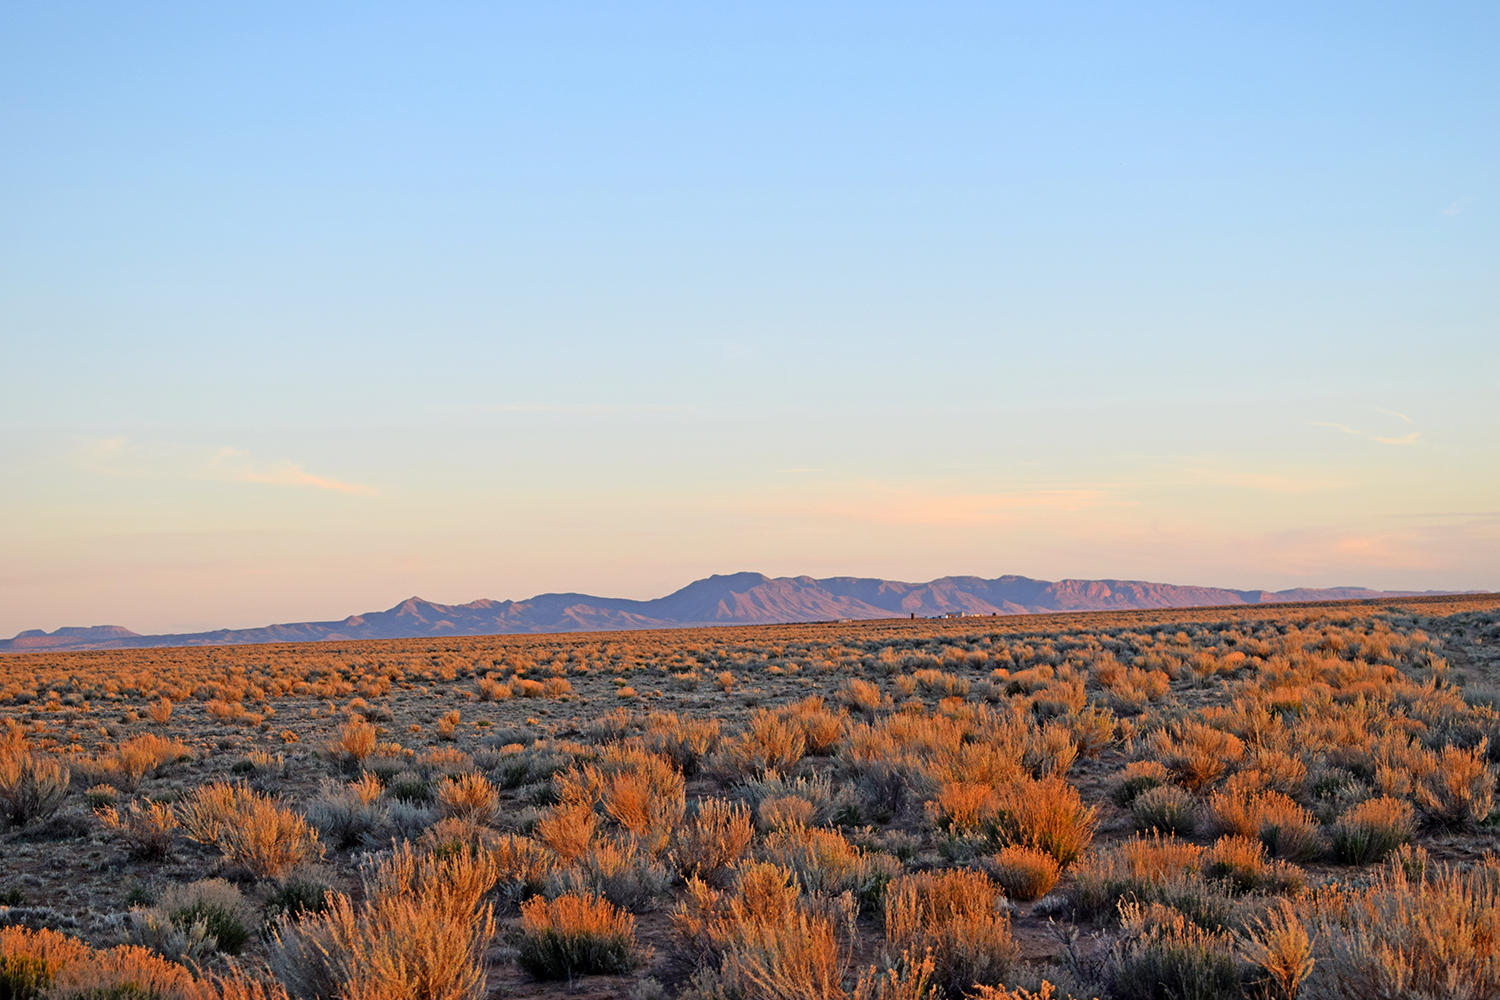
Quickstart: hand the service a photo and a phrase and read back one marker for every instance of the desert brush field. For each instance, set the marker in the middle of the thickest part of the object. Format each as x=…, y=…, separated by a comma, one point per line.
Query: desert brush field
x=1259, y=802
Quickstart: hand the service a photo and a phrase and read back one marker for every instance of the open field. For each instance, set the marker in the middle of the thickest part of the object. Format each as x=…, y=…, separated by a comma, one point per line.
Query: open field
x=1266, y=801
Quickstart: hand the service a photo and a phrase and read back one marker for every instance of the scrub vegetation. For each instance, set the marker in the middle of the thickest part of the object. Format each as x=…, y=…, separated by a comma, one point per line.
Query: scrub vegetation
x=1262, y=802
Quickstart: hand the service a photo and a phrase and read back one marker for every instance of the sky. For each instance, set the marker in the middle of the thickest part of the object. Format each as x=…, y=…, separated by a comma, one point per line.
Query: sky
x=308, y=308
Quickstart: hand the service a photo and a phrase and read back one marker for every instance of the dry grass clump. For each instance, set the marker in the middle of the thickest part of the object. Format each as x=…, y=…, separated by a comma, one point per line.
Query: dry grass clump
x=1371, y=829
x=146, y=829
x=44, y=964
x=250, y=829
x=761, y=940
x=469, y=797
x=574, y=935
x=641, y=792
x=1278, y=945
x=958, y=918
x=617, y=870
x=768, y=743
x=826, y=862
x=1420, y=929
x=712, y=840
x=861, y=696
x=1024, y=873
x=420, y=931
x=355, y=742
x=32, y=786
x=1196, y=754
x=1242, y=862
x=1163, y=954
x=685, y=742
x=348, y=815
x=1166, y=808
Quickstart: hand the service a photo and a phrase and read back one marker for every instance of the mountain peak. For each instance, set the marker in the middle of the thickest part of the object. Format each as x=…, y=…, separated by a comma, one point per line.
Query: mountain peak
x=743, y=598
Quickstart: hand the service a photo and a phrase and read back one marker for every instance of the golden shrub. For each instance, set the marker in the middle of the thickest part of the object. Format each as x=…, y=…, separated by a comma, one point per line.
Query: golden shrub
x=957, y=917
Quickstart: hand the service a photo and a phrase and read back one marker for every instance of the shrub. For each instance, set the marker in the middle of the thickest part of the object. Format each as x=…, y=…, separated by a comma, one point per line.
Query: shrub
x=618, y=871
x=1242, y=862
x=1460, y=790
x=355, y=742
x=1023, y=872
x=768, y=743
x=37, y=964
x=470, y=797
x=1287, y=829
x=1166, y=808
x=31, y=787
x=826, y=862
x=640, y=791
x=298, y=894
x=225, y=915
x=524, y=867
x=1195, y=753
x=251, y=830
x=147, y=830
x=712, y=840
x=1372, y=829
x=352, y=814
x=1279, y=946
x=420, y=931
x=1149, y=869
x=31, y=959
x=1163, y=954
x=1136, y=777
x=1047, y=814
x=685, y=742
x=1420, y=929
x=958, y=918
x=576, y=934
x=861, y=696
x=568, y=829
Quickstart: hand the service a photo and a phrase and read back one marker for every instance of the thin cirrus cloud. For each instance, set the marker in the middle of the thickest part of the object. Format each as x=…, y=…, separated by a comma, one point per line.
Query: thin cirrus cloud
x=121, y=457
x=1396, y=440
x=235, y=465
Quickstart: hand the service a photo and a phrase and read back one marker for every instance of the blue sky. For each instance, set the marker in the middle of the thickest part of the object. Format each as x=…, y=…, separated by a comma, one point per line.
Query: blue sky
x=310, y=307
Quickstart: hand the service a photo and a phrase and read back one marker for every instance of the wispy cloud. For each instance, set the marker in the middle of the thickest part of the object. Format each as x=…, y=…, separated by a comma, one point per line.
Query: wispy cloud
x=236, y=465
x=1455, y=207
x=1397, y=440
x=119, y=456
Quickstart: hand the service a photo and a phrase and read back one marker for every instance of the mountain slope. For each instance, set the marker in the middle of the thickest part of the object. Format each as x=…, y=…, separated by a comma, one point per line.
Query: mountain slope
x=733, y=599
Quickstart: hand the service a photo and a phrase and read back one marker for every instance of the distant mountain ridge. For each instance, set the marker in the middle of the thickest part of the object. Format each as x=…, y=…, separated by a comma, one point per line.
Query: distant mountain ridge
x=732, y=599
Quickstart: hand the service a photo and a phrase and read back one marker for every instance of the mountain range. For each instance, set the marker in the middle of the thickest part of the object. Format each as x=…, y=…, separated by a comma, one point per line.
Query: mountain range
x=733, y=599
